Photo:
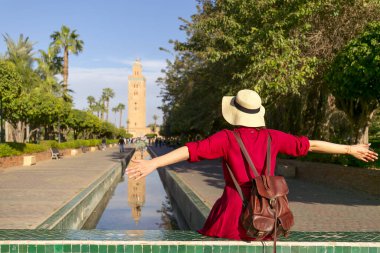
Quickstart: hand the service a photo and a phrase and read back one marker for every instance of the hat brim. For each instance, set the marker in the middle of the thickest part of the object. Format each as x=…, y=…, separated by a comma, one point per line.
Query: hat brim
x=239, y=118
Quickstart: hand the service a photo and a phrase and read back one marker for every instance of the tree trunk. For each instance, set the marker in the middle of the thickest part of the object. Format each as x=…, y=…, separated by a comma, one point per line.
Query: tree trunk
x=121, y=113
x=65, y=69
x=362, y=135
x=20, y=132
x=107, y=104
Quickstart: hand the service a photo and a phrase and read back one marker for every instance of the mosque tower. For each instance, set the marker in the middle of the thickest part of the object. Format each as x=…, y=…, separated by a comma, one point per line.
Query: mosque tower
x=136, y=122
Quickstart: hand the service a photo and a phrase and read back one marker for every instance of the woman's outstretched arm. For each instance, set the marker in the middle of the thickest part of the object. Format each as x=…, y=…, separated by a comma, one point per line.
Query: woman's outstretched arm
x=141, y=168
x=359, y=151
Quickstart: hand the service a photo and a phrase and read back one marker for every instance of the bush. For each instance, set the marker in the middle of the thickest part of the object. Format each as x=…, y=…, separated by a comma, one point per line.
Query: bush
x=12, y=148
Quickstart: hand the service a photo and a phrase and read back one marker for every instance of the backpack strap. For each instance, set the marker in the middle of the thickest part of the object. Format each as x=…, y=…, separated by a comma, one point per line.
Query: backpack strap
x=269, y=154
x=237, y=186
x=245, y=154
x=248, y=158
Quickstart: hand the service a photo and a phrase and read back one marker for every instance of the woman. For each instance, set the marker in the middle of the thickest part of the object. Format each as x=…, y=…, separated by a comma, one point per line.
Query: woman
x=246, y=113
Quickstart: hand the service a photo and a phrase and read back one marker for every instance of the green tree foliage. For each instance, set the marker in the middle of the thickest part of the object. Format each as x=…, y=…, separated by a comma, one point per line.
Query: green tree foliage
x=279, y=48
x=84, y=124
x=67, y=41
x=107, y=94
x=120, y=108
x=10, y=90
x=355, y=79
x=21, y=53
x=49, y=65
x=45, y=108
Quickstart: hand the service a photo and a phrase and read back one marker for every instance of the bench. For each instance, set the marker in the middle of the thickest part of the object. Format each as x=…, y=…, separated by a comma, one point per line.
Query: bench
x=55, y=154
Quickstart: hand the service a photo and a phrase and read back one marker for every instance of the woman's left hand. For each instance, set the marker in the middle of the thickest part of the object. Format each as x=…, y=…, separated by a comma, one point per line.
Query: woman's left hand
x=140, y=168
x=362, y=152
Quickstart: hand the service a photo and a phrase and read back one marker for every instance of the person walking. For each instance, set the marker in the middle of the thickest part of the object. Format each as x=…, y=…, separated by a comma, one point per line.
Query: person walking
x=104, y=143
x=121, y=144
x=246, y=113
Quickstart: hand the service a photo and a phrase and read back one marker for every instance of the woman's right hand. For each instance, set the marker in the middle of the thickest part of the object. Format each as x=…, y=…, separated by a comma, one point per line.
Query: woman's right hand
x=140, y=168
x=362, y=152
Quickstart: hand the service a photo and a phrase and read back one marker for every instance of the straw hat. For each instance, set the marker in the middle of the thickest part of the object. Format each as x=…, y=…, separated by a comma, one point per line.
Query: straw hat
x=244, y=109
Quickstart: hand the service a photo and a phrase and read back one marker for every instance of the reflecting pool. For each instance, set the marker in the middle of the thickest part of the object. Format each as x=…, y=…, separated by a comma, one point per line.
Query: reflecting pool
x=134, y=205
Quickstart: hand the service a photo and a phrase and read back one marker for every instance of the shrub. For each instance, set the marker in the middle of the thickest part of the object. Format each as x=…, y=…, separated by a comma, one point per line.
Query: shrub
x=12, y=148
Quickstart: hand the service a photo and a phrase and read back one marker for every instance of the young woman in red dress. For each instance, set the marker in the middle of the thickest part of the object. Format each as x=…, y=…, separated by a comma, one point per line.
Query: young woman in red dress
x=246, y=113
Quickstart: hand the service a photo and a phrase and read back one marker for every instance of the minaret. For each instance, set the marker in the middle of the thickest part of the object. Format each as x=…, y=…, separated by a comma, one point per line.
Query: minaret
x=136, y=197
x=137, y=101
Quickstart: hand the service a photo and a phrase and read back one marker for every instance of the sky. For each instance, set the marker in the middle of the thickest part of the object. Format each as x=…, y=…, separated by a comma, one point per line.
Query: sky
x=115, y=34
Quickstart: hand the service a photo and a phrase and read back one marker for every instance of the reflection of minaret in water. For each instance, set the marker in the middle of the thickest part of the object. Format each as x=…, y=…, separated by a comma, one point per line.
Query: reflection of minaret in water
x=136, y=197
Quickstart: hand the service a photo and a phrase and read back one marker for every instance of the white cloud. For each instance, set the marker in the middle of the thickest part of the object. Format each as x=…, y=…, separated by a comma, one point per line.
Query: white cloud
x=91, y=81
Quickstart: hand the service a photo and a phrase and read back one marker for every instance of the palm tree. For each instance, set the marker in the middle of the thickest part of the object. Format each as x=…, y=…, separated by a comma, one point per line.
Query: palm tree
x=69, y=42
x=155, y=118
x=21, y=54
x=106, y=95
x=49, y=65
x=98, y=107
x=91, y=102
x=120, y=108
x=115, y=110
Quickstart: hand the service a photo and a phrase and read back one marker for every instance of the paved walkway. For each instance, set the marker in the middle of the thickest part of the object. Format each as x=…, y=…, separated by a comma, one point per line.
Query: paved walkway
x=29, y=195
x=315, y=207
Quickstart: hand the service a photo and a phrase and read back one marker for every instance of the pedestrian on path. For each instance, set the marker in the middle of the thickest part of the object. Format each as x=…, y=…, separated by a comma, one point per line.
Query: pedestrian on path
x=104, y=143
x=121, y=144
x=245, y=112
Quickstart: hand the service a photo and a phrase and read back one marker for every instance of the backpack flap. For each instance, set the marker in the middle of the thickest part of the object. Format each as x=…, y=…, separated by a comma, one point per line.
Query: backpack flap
x=271, y=186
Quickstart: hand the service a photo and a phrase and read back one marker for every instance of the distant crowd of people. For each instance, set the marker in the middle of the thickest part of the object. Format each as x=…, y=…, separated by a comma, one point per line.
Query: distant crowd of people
x=157, y=142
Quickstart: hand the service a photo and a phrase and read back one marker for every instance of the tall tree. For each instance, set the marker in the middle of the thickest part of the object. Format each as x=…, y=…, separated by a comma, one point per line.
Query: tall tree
x=115, y=110
x=155, y=118
x=120, y=108
x=69, y=42
x=10, y=91
x=354, y=80
x=91, y=102
x=49, y=65
x=281, y=49
x=21, y=53
x=99, y=108
x=107, y=94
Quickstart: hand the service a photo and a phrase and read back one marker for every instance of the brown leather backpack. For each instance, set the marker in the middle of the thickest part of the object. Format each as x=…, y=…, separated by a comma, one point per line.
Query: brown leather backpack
x=266, y=212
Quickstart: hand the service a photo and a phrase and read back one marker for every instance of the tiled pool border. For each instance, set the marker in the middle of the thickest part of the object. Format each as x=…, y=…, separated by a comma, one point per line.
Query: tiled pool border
x=130, y=241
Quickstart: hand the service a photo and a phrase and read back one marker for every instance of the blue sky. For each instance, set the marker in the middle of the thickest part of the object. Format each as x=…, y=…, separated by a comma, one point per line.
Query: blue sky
x=115, y=33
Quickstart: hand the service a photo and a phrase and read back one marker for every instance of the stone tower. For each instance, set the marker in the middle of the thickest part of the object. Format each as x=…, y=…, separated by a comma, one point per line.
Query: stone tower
x=136, y=197
x=136, y=122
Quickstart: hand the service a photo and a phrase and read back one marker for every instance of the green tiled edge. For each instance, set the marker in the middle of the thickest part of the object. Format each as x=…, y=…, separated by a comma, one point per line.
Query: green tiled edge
x=175, y=235
x=95, y=248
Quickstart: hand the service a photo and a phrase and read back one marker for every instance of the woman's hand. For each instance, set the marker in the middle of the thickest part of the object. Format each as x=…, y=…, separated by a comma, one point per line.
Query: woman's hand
x=140, y=168
x=362, y=152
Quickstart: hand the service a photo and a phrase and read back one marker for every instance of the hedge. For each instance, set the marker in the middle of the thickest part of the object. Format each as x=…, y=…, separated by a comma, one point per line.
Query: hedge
x=14, y=149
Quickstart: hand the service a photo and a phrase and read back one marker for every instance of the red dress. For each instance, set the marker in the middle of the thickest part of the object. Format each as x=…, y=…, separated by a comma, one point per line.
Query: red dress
x=223, y=220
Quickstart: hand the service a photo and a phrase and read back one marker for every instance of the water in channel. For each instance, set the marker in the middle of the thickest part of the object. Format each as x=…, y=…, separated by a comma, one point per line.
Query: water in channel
x=134, y=205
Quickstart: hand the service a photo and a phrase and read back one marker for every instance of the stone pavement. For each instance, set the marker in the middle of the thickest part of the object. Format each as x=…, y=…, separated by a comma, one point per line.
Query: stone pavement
x=29, y=195
x=315, y=207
